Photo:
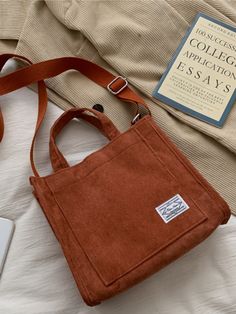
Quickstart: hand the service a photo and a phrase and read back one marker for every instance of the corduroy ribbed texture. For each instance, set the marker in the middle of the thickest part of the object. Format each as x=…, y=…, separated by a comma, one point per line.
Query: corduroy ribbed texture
x=12, y=18
x=135, y=39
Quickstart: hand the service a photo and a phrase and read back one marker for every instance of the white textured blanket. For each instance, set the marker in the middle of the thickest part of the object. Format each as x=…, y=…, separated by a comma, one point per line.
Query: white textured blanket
x=36, y=278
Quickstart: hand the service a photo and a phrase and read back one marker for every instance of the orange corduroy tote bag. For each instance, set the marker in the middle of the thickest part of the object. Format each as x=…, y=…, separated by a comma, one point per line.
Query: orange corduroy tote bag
x=126, y=210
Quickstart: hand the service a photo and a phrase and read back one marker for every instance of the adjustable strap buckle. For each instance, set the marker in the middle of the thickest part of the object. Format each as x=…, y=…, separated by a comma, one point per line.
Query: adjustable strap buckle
x=115, y=92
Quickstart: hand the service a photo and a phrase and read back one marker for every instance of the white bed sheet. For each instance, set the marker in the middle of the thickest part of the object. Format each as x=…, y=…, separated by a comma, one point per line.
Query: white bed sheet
x=36, y=278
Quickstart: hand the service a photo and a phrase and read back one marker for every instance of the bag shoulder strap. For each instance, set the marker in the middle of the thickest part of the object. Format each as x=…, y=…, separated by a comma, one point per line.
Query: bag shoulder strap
x=42, y=103
x=116, y=85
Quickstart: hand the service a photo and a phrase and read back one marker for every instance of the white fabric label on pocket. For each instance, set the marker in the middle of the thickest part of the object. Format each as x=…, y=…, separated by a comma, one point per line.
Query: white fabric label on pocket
x=172, y=208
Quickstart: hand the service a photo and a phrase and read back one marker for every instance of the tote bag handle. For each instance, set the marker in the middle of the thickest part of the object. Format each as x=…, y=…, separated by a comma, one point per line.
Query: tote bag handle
x=98, y=119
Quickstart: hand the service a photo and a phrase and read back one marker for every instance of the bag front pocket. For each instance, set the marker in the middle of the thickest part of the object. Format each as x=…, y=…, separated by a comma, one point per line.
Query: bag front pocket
x=116, y=212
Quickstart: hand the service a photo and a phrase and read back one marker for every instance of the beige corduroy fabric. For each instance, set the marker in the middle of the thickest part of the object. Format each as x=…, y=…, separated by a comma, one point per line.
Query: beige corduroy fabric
x=12, y=18
x=135, y=39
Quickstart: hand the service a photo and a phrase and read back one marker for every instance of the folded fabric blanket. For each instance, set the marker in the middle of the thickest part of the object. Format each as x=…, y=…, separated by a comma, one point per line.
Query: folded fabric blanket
x=135, y=39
